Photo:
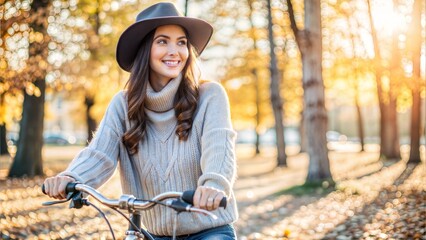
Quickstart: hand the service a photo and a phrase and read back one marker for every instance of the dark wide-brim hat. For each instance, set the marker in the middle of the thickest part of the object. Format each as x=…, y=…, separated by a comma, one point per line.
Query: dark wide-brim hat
x=199, y=31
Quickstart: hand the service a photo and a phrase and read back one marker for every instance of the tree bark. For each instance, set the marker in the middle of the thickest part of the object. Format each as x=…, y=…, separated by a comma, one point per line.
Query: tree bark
x=91, y=122
x=3, y=138
x=186, y=7
x=360, y=122
x=276, y=100
x=28, y=160
x=415, y=89
x=309, y=42
x=392, y=150
x=256, y=84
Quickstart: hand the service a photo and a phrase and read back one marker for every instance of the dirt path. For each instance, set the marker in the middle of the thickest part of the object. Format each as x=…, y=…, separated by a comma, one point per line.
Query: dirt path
x=373, y=200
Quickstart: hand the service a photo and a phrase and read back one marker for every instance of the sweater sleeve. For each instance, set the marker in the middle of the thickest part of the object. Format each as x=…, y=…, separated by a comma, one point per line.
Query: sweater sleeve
x=96, y=163
x=218, y=162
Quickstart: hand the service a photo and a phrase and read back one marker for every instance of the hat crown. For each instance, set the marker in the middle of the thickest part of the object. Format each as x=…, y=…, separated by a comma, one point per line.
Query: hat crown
x=159, y=10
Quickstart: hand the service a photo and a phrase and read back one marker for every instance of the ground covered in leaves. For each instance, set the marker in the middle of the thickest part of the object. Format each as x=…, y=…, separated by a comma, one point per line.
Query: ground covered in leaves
x=372, y=200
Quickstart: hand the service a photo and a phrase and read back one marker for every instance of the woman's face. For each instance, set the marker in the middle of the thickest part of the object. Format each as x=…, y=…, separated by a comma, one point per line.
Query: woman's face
x=169, y=53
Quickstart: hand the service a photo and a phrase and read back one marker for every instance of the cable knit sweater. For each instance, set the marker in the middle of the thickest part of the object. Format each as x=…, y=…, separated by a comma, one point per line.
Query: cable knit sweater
x=164, y=163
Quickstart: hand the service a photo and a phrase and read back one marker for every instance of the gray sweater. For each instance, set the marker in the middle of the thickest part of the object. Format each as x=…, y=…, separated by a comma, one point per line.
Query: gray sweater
x=164, y=163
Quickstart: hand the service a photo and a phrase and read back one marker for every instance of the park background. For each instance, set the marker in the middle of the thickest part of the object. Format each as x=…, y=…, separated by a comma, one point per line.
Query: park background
x=327, y=97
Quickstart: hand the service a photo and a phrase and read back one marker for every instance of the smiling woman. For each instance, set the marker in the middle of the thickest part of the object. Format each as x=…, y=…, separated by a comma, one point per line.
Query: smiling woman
x=168, y=131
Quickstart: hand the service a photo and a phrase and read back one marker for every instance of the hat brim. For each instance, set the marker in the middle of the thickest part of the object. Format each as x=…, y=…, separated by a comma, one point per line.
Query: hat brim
x=199, y=34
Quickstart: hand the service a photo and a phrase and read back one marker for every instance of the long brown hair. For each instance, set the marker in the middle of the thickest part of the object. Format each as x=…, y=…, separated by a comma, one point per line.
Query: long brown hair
x=185, y=102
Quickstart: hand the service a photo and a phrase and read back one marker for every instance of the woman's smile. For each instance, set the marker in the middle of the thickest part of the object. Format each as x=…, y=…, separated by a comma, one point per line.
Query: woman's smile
x=172, y=63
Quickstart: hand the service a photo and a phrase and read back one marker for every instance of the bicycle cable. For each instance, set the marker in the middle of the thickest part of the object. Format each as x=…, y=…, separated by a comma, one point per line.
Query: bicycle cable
x=104, y=216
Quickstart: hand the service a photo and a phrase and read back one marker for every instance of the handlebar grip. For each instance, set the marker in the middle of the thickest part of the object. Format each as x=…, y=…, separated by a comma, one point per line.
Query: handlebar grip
x=188, y=197
x=43, y=189
x=69, y=188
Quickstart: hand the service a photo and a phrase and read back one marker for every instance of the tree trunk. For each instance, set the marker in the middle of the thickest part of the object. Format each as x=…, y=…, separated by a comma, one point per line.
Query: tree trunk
x=360, y=123
x=309, y=42
x=314, y=101
x=186, y=7
x=89, y=98
x=415, y=89
x=389, y=141
x=392, y=149
x=277, y=105
x=256, y=81
x=3, y=138
x=356, y=85
x=28, y=159
x=91, y=123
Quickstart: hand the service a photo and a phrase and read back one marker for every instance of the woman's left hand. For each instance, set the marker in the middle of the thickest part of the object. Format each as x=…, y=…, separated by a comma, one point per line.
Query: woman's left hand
x=208, y=198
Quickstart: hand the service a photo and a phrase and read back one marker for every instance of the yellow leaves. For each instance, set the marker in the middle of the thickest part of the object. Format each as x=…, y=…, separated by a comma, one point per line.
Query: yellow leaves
x=36, y=37
x=10, y=108
x=4, y=87
x=31, y=89
x=286, y=233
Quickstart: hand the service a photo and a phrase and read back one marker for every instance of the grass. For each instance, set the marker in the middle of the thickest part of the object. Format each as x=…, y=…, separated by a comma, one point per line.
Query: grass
x=309, y=188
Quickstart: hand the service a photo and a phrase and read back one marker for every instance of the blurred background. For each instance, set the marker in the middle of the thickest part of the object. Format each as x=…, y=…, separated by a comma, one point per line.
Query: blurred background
x=304, y=78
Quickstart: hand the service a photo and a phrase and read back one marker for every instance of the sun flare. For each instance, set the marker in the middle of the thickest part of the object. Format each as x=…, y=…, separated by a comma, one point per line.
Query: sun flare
x=386, y=18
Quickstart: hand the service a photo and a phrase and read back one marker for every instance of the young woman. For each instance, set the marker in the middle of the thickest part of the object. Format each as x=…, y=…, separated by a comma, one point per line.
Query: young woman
x=167, y=130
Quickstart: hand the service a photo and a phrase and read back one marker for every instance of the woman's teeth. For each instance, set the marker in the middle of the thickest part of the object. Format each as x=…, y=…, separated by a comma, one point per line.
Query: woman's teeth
x=171, y=63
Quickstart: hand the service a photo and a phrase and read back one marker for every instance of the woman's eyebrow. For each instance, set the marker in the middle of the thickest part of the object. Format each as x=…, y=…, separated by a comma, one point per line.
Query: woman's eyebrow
x=165, y=36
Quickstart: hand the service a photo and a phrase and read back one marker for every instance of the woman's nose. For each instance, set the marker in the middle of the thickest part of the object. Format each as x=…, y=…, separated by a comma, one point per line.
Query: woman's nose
x=172, y=49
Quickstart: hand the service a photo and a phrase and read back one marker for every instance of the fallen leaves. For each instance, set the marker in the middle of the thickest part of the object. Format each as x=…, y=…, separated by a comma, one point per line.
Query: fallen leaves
x=378, y=203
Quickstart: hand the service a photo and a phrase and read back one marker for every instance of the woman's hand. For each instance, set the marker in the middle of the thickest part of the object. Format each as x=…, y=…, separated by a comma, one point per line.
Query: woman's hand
x=55, y=186
x=208, y=198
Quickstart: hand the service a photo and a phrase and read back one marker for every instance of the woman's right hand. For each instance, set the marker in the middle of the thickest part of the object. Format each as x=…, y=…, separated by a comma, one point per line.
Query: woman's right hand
x=55, y=186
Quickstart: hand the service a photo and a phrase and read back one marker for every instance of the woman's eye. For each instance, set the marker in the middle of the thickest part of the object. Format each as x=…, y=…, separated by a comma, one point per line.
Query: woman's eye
x=182, y=43
x=162, y=41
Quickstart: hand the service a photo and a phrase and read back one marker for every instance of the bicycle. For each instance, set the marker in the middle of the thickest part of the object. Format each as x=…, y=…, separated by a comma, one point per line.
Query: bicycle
x=178, y=201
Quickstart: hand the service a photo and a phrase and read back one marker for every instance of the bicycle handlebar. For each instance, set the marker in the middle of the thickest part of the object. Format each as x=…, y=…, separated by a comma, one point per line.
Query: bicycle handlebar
x=129, y=201
x=179, y=201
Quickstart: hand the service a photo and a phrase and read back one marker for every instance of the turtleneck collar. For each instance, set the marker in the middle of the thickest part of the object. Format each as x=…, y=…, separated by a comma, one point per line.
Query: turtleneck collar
x=162, y=101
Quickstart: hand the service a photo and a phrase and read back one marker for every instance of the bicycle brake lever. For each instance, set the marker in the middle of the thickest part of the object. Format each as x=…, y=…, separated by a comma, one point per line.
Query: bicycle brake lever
x=50, y=203
x=181, y=206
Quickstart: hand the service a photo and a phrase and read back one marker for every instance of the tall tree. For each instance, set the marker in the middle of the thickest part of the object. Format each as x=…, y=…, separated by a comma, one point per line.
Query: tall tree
x=28, y=159
x=387, y=101
x=353, y=38
x=391, y=149
x=309, y=41
x=13, y=19
x=94, y=47
x=415, y=129
x=256, y=78
x=276, y=100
